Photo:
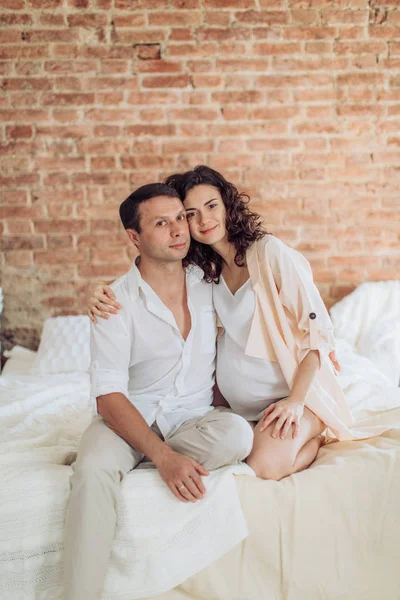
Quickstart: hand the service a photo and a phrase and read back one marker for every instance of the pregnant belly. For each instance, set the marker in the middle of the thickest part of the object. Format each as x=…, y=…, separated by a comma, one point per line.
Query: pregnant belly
x=249, y=384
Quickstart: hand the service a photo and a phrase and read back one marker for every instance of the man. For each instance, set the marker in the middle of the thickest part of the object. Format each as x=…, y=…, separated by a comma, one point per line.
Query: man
x=152, y=377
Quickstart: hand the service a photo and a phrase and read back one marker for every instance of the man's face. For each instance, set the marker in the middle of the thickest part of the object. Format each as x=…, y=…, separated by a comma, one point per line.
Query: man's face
x=164, y=233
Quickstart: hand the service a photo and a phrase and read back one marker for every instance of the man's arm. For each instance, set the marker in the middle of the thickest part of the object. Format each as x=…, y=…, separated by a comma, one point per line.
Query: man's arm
x=127, y=422
x=177, y=470
x=111, y=347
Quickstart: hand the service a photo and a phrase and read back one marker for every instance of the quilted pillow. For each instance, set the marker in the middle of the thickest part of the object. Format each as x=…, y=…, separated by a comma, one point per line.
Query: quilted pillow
x=64, y=345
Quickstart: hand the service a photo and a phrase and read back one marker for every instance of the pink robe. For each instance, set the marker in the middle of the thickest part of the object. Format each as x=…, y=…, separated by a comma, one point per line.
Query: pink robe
x=290, y=319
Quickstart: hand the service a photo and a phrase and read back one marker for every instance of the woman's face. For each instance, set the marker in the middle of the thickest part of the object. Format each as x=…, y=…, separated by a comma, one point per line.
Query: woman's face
x=205, y=213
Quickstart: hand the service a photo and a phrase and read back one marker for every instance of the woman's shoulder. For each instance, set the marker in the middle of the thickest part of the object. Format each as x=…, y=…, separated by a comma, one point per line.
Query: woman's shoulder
x=279, y=254
x=272, y=246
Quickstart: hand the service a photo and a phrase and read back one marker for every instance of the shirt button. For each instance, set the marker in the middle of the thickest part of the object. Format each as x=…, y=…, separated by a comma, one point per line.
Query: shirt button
x=312, y=315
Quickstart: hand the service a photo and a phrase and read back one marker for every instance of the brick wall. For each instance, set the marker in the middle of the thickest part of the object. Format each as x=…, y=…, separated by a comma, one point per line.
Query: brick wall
x=296, y=101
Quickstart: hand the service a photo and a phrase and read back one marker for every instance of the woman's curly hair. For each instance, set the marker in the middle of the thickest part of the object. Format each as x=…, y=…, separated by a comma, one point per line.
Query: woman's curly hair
x=242, y=225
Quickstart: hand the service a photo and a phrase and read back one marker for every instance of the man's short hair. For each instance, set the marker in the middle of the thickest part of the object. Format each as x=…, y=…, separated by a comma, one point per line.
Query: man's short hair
x=129, y=209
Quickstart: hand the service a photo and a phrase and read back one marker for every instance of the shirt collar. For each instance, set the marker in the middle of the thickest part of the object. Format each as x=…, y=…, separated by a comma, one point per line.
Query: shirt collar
x=194, y=274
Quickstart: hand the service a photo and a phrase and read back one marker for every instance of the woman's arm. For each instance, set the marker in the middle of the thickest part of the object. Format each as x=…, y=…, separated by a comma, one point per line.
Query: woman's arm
x=101, y=300
x=305, y=376
x=301, y=298
x=289, y=411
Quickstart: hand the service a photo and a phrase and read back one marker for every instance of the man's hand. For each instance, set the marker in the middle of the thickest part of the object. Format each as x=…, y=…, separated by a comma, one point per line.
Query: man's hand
x=182, y=475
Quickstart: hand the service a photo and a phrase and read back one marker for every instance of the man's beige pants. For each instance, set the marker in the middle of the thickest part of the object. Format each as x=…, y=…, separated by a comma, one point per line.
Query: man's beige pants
x=218, y=438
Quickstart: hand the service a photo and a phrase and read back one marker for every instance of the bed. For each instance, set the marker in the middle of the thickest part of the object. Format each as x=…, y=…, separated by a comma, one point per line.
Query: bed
x=330, y=532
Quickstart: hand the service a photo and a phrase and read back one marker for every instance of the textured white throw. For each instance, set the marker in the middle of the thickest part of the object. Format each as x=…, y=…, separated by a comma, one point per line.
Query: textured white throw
x=159, y=541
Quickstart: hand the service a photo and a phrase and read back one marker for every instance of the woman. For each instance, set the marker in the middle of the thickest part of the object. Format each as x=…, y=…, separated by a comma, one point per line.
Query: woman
x=273, y=364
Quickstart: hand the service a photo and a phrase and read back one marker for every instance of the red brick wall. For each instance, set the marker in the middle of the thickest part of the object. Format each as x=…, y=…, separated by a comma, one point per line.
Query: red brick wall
x=296, y=101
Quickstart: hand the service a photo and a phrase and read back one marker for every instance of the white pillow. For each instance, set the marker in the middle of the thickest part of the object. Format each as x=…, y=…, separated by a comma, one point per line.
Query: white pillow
x=20, y=360
x=381, y=344
x=64, y=345
x=369, y=320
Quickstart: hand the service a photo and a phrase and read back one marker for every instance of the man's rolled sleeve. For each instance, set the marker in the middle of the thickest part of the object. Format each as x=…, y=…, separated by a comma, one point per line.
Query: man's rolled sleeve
x=110, y=347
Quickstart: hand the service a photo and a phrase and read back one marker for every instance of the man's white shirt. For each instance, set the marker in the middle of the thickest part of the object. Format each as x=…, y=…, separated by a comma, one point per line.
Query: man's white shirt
x=141, y=353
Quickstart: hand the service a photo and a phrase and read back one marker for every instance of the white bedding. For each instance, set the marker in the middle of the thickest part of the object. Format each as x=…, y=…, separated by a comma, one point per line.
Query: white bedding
x=330, y=532
x=369, y=321
x=159, y=541
x=20, y=361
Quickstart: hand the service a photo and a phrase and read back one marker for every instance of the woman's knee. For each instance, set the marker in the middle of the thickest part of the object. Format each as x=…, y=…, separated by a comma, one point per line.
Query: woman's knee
x=276, y=466
x=269, y=469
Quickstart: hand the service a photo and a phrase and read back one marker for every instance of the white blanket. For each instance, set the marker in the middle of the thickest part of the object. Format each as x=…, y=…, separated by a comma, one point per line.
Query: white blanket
x=159, y=541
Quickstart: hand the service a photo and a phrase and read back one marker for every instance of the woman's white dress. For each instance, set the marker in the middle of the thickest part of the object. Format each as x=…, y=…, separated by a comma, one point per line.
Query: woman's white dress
x=249, y=384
